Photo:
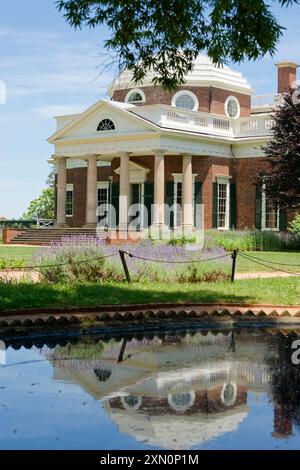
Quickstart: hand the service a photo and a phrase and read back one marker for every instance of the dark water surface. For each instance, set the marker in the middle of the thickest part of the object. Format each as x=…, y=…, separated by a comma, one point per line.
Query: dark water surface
x=199, y=390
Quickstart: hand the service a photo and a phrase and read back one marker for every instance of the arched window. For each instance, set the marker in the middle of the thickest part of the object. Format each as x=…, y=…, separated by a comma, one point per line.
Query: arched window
x=135, y=96
x=185, y=100
x=181, y=401
x=106, y=125
x=232, y=107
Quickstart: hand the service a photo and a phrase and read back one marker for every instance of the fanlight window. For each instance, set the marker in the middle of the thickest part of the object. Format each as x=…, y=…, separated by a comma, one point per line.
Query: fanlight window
x=106, y=125
x=185, y=102
x=232, y=107
x=135, y=97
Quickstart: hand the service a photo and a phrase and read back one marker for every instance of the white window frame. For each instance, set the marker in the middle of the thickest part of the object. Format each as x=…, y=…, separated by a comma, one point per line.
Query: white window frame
x=238, y=105
x=70, y=188
x=131, y=92
x=185, y=92
x=178, y=179
x=263, y=213
x=226, y=181
x=103, y=185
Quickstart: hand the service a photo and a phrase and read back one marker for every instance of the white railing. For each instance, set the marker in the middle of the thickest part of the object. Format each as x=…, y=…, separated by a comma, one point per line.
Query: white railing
x=215, y=125
x=269, y=100
x=44, y=223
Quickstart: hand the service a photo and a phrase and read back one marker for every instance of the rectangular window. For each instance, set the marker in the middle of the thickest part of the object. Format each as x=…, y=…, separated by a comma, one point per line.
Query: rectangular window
x=69, y=201
x=223, y=204
x=270, y=212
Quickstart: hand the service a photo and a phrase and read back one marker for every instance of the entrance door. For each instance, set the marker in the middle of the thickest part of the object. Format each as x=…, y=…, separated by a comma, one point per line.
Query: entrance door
x=136, y=200
x=103, y=202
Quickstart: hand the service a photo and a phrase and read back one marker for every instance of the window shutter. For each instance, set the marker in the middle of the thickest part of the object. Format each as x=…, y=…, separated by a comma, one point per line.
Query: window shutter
x=282, y=219
x=170, y=199
x=232, y=214
x=198, y=201
x=148, y=200
x=258, y=207
x=115, y=192
x=215, y=206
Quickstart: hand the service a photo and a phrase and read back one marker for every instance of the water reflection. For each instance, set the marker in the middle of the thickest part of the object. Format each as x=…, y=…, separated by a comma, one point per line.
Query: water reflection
x=180, y=391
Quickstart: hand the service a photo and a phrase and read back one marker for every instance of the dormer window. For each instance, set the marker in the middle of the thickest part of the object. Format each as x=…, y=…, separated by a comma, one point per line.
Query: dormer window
x=232, y=107
x=135, y=96
x=106, y=125
x=185, y=100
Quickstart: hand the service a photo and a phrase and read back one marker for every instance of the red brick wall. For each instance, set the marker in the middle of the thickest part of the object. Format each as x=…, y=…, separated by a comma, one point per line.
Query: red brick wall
x=286, y=78
x=211, y=100
x=242, y=172
x=247, y=169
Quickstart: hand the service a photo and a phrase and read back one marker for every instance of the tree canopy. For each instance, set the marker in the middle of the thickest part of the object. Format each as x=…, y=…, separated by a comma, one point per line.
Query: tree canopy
x=43, y=206
x=283, y=153
x=165, y=36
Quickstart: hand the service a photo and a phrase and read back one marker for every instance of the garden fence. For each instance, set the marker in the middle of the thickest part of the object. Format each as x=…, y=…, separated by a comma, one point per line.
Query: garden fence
x=273, y=265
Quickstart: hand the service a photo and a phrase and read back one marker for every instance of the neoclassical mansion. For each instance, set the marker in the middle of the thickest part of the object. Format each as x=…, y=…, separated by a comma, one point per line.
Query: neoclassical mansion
x=200, y=146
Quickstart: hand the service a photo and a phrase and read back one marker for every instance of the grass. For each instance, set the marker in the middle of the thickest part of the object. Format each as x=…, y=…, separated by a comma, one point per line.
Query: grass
x=285, y=291
x=17, y=252
x=290, y=258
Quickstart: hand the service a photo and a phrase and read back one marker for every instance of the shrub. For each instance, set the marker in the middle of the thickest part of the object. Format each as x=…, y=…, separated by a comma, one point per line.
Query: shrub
x=251, y=240
x=295, y=225
x=63, y=262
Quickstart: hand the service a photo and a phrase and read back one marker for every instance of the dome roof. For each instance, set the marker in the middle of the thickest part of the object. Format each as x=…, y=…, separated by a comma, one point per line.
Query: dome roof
x=204, y=73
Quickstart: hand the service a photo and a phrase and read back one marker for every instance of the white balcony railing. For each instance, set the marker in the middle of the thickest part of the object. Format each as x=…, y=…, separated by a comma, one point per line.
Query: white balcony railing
x=169, y=117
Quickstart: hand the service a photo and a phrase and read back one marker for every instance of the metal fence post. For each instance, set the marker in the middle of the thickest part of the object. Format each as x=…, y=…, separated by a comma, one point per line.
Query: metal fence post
x=234, y=258
x=125, y=267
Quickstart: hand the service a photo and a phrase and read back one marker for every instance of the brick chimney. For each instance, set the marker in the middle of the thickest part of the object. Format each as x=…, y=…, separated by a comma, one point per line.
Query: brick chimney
x=287, y=75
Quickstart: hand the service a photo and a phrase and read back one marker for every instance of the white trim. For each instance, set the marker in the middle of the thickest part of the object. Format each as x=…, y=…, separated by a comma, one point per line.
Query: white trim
x=263, y=214
x=233, y=399
x=135, y=90
x=102, y=185
x=185, y=92
x=238, y=105
x=137, y=173
x=178, y=179
x=70, y=188
x=226, y=181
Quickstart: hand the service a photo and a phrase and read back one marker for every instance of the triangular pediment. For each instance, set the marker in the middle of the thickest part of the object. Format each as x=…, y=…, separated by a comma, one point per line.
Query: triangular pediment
x=85, y=124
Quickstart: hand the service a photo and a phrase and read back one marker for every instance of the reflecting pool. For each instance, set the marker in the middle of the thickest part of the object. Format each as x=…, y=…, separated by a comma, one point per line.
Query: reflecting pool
x=236, y=389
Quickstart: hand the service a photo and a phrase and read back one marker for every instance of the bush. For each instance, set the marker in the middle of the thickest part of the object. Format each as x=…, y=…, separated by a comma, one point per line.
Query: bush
x=251, y=240
x=63, y=262
x=295, y=225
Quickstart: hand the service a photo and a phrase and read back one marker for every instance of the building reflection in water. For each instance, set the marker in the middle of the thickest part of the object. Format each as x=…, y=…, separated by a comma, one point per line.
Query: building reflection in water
x=176, y=392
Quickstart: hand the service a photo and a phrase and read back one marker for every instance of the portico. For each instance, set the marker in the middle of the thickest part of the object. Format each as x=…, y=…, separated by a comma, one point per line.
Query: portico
x=127, y=188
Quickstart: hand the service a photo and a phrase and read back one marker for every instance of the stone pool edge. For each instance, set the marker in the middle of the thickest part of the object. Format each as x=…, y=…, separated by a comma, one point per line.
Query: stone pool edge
x=121, y=315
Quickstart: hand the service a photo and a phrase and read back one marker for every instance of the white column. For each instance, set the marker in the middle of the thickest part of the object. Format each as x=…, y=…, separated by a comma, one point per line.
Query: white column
x=187, y=193
x=159, y=190
x=124, y=191
x=91, y=192
x=61, y=192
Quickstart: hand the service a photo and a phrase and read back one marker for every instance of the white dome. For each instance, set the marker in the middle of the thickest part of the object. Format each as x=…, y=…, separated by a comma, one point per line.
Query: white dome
x=204, y=73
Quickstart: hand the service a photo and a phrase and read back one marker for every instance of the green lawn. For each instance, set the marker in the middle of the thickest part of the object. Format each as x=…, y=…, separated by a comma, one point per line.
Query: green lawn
x=290, y=258
x=285, y=291
x=17, y=252
x=11, y=253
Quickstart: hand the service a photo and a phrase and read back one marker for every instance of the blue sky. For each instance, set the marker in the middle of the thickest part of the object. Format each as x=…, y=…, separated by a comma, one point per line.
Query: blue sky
x=51, y=69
